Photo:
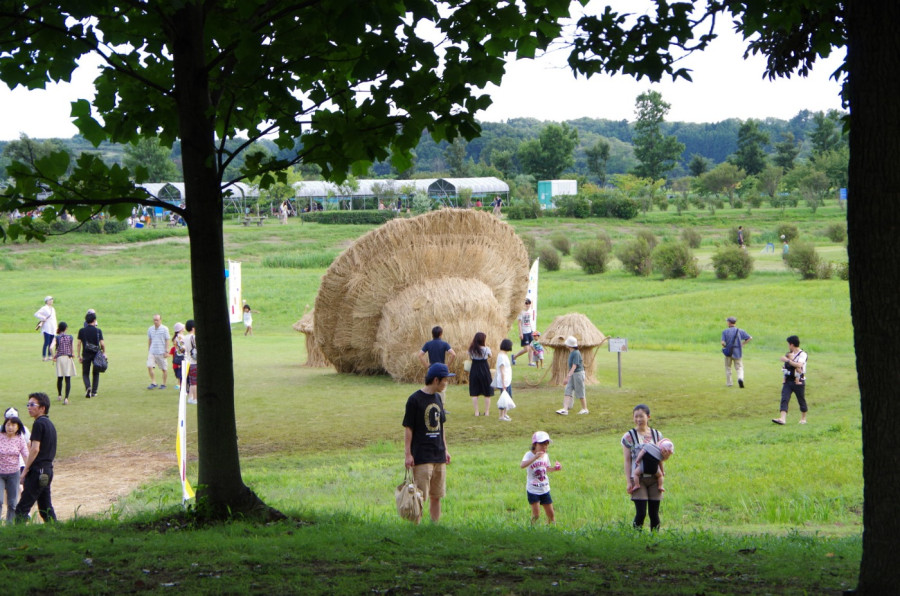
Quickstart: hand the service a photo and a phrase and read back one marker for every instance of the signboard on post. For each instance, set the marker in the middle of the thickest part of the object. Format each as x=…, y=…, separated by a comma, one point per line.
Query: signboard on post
x=618, y=345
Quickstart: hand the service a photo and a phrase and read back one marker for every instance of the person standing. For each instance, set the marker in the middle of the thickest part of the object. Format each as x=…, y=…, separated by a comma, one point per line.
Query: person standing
x=90, y=341
x=177, y=352
x=526, y=330
x=38, y=473
x=437, y=350
x=190, y=359
x=645, y=494
x=13, y=449
x=65, y=361
x=157, y=350
x=47, y=325
x=480, y=381
x=575, y=379
x=425, y=442
x=498, y=202
x=740, y=237
x=733, y=341
x=503, y=376
x=793, y=371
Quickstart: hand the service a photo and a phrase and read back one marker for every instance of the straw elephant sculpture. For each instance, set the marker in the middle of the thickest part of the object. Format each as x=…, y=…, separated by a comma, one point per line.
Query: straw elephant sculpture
x=461, y=269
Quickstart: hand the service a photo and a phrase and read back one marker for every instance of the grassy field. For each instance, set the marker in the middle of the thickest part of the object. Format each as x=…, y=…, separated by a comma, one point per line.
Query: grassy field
x=751, y=507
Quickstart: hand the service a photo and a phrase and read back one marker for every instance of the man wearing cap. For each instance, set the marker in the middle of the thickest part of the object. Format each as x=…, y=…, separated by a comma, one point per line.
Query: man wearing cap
x=425, y=442
x=733, y=340
x=157, y=348
x=38, y=474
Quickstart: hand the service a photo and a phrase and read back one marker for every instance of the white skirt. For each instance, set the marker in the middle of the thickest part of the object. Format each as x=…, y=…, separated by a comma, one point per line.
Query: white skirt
x=65, y=366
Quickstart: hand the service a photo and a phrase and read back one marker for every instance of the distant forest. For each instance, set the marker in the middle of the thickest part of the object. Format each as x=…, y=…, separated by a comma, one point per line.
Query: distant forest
x=713, y=141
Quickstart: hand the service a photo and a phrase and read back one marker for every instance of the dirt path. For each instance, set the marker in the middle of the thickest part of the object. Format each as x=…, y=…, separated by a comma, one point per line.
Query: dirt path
x=88, y=485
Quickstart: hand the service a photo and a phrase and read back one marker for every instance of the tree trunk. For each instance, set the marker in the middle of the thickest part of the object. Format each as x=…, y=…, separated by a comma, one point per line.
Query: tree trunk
x=221, y=490
x=873, y=216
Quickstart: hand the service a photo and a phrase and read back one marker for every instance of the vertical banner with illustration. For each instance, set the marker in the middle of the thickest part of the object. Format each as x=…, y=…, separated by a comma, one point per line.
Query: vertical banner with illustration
x=187, y=492
x=235, y=305
x=533, y=292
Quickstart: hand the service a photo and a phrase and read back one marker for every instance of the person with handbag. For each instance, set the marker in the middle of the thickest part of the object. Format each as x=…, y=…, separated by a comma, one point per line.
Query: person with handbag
x=424, y=439
x=733, y=341
x=47, y=325
x=503, y=380
x=90, y=343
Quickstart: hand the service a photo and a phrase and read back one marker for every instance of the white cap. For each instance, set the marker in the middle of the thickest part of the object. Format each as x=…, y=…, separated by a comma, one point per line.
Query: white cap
x=539, y=437
x=11, y=413
x=571, y=342
x=48, y=299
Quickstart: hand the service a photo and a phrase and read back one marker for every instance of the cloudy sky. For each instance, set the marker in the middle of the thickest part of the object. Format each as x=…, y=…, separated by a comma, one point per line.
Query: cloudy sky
x=724, y=86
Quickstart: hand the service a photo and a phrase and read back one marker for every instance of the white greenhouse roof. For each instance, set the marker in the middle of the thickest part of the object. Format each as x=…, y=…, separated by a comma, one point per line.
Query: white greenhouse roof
x=238, y=189
x=366, y=188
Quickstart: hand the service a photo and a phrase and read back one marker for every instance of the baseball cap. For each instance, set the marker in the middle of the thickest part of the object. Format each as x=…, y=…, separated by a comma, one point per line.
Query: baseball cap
x=539, y=437
x=439, y=370
x=571, y=342
x=731, y=320
x=11, y=413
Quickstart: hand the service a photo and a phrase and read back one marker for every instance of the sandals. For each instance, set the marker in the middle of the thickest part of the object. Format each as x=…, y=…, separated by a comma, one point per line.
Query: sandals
x=778, y=421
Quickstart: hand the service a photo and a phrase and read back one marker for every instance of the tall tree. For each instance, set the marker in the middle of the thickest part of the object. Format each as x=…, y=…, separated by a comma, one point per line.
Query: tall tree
x=597, y=158
x=827, y=134
x=750, y=155
x=29, y=151
x=698, y=165
x=551, y=153
x=786, y=151
x=657, y=152
x=148, y=153
x=353, y=82
x=455, y=157
x=792, y=38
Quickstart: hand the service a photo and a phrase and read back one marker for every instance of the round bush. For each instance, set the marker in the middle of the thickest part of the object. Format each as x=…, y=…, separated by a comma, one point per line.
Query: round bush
x=691, y=237
x=836, y=232
x=550, y=258
x=789, y=231
x=575, y=206
x=635, y=257
x=648, y=237
x=803, y=259
x=843, y=271
x=732, y=260
x=592, y=256
x=114, y=226
x=732, y=237
x=530, y=246
x=674, y=259
x=603, y=237
x=561, y=243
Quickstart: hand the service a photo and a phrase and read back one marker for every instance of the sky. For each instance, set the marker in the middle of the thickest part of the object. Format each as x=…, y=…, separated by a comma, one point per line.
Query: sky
x=724, y=86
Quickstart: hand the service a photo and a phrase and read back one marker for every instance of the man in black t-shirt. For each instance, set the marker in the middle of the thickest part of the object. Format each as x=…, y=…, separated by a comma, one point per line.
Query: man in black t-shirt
x=90, y=341
x=425, y=442
x=38, y=473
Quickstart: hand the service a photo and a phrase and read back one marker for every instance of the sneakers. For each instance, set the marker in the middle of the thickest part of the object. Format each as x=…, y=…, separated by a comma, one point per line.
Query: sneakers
x=87, y=394
x=162, y=386
x=177, y=387
x=152, y=386
x=741, y=383
x=506, y=418
x=584, y=411
x=563, y=412
x=192, y=401
x=532, y=364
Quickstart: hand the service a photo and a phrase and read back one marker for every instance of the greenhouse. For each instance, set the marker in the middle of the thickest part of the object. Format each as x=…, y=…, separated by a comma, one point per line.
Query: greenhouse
x=363, y=194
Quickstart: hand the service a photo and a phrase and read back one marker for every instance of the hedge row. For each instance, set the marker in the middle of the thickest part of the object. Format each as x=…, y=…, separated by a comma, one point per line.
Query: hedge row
x=376, y=217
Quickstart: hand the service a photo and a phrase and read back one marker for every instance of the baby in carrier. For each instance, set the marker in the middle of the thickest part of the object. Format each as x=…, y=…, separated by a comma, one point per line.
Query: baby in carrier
x=649, y=461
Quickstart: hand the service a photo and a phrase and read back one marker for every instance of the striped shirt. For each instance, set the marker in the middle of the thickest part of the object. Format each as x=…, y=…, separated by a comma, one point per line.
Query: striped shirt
x=159, y=337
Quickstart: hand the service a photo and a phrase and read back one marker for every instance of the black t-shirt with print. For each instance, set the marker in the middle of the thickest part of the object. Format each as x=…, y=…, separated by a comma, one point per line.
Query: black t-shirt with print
x=425, y=416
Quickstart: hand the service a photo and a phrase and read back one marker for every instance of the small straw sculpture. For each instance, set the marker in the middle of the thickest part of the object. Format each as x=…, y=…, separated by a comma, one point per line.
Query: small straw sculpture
x=461, y=269
x=589, y=339
x=314, y=356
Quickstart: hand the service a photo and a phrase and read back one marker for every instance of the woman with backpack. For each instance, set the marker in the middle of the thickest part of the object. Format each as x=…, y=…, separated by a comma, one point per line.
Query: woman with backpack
x=645, y=494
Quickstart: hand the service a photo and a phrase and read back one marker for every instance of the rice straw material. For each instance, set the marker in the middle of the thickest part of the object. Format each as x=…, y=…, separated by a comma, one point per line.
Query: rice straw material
x=589, y=339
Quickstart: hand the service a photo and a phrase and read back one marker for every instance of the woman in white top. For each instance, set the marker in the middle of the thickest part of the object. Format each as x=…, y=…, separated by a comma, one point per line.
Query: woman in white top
x=47, y=316
x=503, y=376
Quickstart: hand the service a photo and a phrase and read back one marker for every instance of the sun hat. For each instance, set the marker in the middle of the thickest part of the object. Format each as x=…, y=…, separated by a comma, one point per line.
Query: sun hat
x=439, y=370
x=179, y=327
x=571, y=342
x=48, y=299
x=540, y=436
x=11, y=413
x=666, y=444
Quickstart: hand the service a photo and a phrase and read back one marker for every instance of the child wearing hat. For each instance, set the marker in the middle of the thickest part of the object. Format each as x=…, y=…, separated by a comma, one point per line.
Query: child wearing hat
x=574, y=379
x=537, y=350
x=537, y=484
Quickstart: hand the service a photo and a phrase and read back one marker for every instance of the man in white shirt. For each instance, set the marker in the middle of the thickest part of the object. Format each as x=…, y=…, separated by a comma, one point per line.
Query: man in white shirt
x=157, y=348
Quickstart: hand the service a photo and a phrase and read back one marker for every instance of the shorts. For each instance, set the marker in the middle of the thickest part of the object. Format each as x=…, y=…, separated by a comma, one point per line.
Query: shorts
x=543, y=499
x=157, y=360
x=575, y=386
x=65, y=366
x=192, y=375
x=527, y=338
x=648, y=489
x=431, y=479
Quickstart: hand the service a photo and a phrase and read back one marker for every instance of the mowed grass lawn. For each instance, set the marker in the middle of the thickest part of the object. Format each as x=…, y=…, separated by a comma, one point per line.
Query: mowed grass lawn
x=327, y=448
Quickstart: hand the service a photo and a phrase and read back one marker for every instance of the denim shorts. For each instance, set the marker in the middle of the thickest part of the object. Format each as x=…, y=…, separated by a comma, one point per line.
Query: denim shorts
x=543, y=499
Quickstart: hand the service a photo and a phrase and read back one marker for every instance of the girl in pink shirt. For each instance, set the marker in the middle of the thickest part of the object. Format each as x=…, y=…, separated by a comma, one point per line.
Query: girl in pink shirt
x=12, y=446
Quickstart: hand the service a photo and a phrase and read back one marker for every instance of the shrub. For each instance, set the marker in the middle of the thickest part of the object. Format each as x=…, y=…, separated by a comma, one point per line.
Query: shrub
x=576, y=206
x=732, y=260
x=592, y=256
x=530, y=246
x=550, y=258
x=825, y=270
x=561, y=243
x=691, y=237
x=843, y=271
x=93, y=226
x=610, y=203
x=61, y=227
x=803, y=259
x=648, y=237
x=526, y=208
x=305, y=260
x=789, y=231
x=603, y=237
x=732, y=237
x=674, y=259
x=421, y=203
x=350, y=217
x=635, y=257
x=836, y=232
x=114, y=226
